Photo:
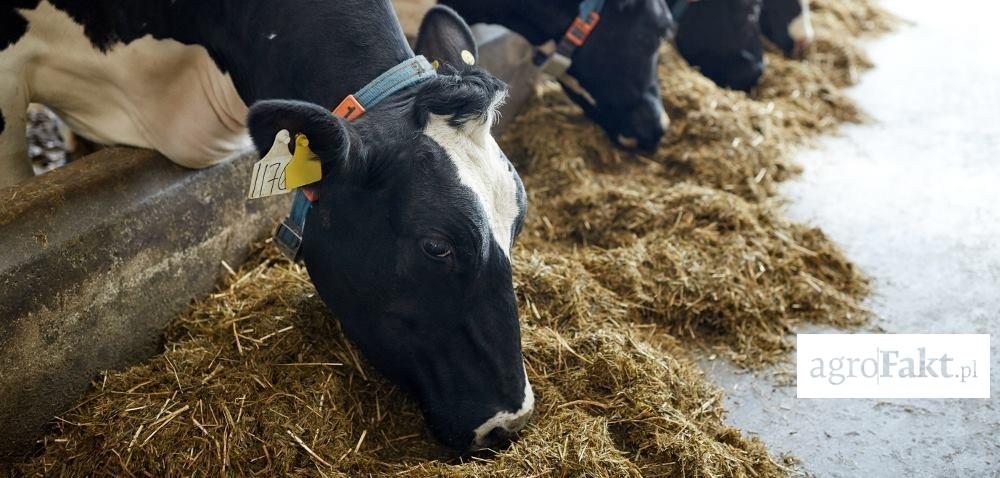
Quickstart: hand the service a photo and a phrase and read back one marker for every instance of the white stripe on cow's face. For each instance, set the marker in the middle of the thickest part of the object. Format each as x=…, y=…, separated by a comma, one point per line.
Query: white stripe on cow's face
x=482, y=168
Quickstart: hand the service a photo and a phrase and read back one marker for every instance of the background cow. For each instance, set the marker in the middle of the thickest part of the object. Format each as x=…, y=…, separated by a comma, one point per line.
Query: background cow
x=409, y=240
x=614, y=75
x=786, y=23
x=722, y=38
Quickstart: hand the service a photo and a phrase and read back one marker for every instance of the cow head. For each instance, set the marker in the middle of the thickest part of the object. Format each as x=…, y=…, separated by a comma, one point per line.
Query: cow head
x=722, y=39
x=614, y=75
x=787, y=24
x=409, y=239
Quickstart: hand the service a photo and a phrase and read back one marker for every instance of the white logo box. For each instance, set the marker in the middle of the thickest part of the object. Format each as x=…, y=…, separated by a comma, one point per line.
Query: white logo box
x=893, y=366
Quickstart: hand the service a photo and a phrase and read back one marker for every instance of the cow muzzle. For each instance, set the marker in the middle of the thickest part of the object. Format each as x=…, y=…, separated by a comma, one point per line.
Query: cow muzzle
x=801, y=32
x=500, y=429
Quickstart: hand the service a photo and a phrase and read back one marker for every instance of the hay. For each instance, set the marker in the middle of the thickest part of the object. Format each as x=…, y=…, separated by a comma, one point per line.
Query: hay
x=705, y=264
x=258, y=379
x=626, y=262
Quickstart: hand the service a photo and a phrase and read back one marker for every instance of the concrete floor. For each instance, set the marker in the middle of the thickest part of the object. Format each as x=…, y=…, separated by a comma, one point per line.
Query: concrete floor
x=914, y=200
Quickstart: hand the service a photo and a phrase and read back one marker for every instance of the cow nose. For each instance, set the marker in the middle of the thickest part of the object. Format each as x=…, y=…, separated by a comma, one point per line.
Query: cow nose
x=801, y=32
x=497, y=439
x=502, y=432
x=501, y=436
x=501, y=429
x=800, y=47
x=650, y=123
x=628, y=141
x=746, y=74
x=664, y=120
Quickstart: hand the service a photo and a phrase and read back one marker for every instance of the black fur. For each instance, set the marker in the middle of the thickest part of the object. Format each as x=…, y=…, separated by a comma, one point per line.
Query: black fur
x=775, y=17
x=304, y=60
x=3, y=123
x=462, y=96
x=722, y=39
x=328, y=136
x=386, y=188
x=12, y=24
x=617, y=65
x=444, y=329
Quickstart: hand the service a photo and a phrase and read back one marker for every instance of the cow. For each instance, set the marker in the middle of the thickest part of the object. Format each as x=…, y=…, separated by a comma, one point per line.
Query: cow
x=722, y=38
x=612, y=73
x=408, y=238
x=788, y=25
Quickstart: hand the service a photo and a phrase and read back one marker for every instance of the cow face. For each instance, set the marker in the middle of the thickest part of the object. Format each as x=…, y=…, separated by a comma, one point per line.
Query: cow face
x=614, y=74
x=722, y=39
x=409, y=240
x=786, y=23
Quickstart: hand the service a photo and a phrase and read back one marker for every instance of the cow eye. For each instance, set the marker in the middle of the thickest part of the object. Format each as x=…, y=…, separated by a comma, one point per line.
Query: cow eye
x=436, y=248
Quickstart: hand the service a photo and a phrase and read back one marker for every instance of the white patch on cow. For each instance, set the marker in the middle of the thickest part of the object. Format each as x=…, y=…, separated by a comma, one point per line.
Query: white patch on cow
x=801, y=29
x=482, y=168
x=510, y=421
x=157, y=94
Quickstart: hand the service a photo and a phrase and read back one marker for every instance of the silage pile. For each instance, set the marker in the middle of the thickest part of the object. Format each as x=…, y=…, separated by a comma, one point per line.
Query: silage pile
x=626, y=263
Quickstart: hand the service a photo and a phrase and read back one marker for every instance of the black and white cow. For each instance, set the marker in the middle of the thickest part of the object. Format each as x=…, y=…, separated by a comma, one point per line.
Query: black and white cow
x=787, y=24
x=408, y=240
x=722, y=38
x=613, y=75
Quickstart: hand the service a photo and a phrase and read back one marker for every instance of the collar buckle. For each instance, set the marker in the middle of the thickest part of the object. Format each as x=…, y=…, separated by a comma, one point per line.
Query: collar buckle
x=288, y=236
x=349, y=109
x=580, y=29
x=555, y=59
x=556, y=65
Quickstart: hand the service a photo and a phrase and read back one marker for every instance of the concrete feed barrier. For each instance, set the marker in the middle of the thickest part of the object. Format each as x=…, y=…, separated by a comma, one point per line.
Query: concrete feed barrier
x=97, y=257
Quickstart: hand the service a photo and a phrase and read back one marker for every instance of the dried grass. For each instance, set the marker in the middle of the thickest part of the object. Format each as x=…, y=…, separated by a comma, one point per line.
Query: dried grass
x=626, y=261
x=258, y=379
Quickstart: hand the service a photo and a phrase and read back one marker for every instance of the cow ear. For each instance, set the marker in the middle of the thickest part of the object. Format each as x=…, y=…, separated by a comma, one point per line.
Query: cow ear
x=330, y=137
x=446, y=38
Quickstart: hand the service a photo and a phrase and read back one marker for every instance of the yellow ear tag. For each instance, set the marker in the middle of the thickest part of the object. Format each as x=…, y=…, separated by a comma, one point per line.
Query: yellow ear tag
x=436, y=64
x=468, y=57
x=304, y=168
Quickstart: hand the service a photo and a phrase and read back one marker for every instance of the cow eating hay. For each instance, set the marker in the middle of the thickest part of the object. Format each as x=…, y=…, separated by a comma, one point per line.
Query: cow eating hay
x=619, y=250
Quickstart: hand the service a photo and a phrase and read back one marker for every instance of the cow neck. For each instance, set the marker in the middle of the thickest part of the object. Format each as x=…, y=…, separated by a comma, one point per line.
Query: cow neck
x=555, y=58
x=409, y=73
x=679, y=9
x=314, y=51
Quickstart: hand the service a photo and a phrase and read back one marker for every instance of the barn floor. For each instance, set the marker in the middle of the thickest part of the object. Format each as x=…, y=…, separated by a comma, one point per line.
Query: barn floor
x=914, y=200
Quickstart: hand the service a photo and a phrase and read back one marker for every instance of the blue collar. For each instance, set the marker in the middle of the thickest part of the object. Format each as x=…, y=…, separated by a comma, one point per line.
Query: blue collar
x=411, y=72
x=404, y=75
x=555, y=58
